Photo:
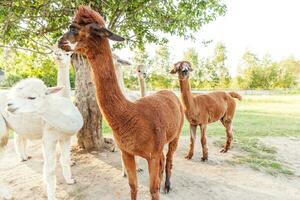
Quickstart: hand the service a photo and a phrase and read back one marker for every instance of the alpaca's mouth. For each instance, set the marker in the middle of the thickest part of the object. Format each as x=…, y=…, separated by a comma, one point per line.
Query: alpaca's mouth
x=11, y=109
x=64, y=45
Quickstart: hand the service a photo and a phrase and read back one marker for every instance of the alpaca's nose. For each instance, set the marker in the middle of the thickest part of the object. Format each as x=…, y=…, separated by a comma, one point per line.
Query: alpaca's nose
x=9, y=104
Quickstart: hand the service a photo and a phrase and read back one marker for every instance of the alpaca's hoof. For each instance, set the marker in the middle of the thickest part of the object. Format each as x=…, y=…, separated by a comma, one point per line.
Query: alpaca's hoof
x=72, y=163
x=224, y=150
x=26, y=158
x=189, y=156
x=203, y=159
x=167, y=187
x=123, y=174
x=139, y=170
x=71, y=181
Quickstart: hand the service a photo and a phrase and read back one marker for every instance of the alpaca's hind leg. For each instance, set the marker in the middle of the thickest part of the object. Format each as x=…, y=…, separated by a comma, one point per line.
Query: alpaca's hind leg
x=229, y=134
x=130, y=166
x=154, y=173
x=169, y=163
x=161, y=167
x=65, y=159
x=203, y=142
x=193, y=130
x=138, y=165
x=49, y=154
x=20, y=147
x=123, y=173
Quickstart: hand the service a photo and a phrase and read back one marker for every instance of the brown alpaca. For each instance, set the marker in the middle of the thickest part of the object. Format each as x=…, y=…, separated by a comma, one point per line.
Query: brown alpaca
x=139, y=128
x=202, y=109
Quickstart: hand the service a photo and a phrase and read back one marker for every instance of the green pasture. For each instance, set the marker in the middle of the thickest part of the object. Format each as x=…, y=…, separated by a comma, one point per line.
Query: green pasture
x=258, y=116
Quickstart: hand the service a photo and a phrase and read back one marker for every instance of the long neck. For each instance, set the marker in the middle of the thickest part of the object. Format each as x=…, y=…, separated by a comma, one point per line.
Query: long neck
x=142, y=86
x=115, y=107
x=120, y=77
x=186, y=93
x=63, y=79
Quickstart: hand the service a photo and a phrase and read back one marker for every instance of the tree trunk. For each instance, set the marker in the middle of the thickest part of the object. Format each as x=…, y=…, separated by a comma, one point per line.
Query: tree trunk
x=90, y=136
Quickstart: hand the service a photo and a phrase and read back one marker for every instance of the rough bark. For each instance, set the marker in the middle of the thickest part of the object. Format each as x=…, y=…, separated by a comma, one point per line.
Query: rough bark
x=90, y=136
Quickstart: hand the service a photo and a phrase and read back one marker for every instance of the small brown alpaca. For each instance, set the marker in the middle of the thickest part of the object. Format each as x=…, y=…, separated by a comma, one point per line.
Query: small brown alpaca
x=203, y=109
x=140, y=128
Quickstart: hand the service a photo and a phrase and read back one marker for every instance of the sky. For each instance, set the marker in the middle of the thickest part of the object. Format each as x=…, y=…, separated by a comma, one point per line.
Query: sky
x=261, y=26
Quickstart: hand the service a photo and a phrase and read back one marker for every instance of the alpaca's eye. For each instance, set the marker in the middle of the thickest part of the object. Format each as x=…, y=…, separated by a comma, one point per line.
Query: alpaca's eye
x=31, y=98
x=72, y=29
x=139, y=71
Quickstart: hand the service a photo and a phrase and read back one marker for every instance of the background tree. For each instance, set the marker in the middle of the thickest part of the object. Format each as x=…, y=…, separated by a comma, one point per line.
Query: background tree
x=162, y=60
x=265, y=73
x=197, y=78
x=36, y=25
x=219, y=62
x=214, y=69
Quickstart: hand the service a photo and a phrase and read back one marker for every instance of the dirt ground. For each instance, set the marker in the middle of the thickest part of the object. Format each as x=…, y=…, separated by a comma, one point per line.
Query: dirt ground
x=99, y=177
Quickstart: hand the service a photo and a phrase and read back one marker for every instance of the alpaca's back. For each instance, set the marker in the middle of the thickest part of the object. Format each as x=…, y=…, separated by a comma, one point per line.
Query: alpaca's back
x=212, y=106
x=164, y=111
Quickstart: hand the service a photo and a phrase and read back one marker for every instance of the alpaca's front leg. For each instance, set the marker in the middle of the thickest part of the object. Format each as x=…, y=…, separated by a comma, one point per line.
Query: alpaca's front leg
x=130, y=166
x=65, y=159
x=154, y=175
x=20, y=147
x=49, y=153
x=139, y=169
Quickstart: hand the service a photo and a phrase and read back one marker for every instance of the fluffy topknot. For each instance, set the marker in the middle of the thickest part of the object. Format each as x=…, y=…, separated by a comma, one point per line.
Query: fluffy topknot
x=85, y=15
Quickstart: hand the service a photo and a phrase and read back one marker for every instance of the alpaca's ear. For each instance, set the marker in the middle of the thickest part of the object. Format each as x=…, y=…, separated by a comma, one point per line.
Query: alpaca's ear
x=53, y=90
x=188, y=65
x=113, y=36
x=174, y=70
x=103, y=32
x=123, y=62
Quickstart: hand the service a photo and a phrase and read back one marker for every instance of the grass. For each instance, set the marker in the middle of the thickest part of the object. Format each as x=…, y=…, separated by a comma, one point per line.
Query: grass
x=258, y=156
x=258, y=116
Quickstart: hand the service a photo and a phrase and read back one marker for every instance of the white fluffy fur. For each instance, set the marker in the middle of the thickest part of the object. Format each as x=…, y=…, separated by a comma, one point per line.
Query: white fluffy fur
x=63, y=61
x=35, y=112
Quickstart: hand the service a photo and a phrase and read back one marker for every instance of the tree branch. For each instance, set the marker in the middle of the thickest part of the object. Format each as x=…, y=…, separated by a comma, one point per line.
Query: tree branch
x=26, y=49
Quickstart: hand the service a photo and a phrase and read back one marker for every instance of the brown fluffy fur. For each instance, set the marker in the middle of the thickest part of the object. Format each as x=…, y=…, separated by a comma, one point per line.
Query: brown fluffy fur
x=141, y=128
x=202, y=109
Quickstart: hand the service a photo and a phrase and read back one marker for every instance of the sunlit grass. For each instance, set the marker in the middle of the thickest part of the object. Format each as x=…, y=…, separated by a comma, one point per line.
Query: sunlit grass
x=258, y=115
x=257, y=155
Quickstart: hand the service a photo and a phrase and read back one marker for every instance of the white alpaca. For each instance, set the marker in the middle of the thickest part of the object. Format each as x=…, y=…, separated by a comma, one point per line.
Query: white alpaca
x=141, y=73
x=132, y=96
x=34, y=112
x=5, y=193
x=63, y=61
